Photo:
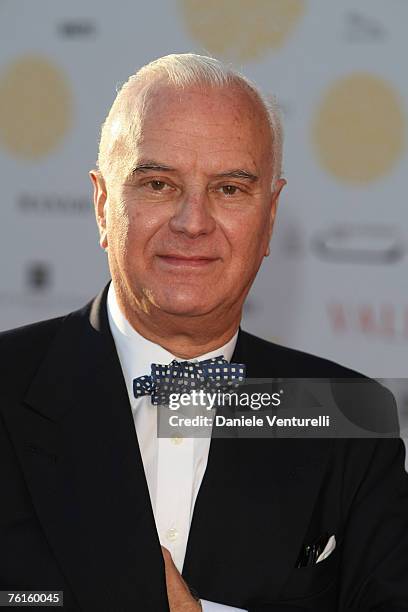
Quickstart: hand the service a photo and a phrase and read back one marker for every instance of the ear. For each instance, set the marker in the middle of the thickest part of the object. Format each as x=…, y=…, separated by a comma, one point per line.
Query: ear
x=273, y=208
x=100, y=200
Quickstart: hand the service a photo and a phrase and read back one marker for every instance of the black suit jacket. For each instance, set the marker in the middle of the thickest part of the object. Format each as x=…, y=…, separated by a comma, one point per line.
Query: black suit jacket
x=75, y=512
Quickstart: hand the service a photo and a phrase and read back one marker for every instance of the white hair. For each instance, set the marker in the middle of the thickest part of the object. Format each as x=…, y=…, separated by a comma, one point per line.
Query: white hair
x=182, y=70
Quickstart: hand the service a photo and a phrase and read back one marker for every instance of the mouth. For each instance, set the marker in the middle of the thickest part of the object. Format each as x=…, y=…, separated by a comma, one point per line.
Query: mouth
x=181, y=261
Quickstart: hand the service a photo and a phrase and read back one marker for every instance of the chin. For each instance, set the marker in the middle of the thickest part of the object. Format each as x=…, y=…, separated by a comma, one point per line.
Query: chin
x=184, y=305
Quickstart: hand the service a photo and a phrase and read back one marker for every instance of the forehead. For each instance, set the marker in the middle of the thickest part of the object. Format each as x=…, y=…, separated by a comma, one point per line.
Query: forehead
x=207, y=126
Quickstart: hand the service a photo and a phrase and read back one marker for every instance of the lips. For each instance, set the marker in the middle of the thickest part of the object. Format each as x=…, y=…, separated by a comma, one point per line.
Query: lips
x=184, y=261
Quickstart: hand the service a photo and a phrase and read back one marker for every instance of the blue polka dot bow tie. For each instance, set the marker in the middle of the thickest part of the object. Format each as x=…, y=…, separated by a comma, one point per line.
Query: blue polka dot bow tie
x=214, y=374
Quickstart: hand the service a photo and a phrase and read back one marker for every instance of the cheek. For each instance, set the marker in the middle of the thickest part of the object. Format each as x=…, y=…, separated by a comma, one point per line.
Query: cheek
x=132, y=227
x=118, y=230
x=247, y=238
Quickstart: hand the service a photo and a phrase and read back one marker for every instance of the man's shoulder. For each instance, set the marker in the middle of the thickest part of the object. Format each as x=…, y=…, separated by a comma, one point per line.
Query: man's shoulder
x=362, y=400
x=35, y=337
x=30, y=334
x=47, y=348
x=23, y=348
x=292, y=362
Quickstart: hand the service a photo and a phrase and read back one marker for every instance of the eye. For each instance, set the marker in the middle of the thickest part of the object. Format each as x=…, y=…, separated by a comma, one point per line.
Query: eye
x=157, y=185
x=229, y=190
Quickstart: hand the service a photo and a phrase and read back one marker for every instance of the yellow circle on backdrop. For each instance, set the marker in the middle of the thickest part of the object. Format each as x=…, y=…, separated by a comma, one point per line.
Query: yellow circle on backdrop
x=241, y=30
x=358, y=130
x=35, y=107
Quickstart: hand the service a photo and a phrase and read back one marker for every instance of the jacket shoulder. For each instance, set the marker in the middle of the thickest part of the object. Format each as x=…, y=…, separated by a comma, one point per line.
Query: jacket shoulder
x=32, y=332
x=362, y=400
x=22, y=348
x=293, y=362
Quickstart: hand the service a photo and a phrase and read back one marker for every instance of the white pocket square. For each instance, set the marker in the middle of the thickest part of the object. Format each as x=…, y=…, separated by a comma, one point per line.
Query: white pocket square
x=328, y=549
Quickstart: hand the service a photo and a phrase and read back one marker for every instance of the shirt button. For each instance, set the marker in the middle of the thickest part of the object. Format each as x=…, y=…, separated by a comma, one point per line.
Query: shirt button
x=176, y=440
x=172, y=534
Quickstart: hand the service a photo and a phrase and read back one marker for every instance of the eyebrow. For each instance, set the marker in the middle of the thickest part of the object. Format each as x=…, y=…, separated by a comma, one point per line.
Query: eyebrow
x=242, y=174
x=237, y=173
x=146, y=166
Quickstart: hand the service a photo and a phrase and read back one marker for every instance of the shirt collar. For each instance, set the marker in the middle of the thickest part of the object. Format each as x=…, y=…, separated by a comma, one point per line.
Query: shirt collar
x=137, y=353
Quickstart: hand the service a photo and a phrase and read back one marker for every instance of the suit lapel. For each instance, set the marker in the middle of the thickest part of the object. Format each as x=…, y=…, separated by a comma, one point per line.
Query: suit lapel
x=79, y=451
x=253, y=508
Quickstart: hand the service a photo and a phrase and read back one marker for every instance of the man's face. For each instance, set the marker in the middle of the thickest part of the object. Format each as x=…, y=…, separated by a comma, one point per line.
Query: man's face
x=190, y=221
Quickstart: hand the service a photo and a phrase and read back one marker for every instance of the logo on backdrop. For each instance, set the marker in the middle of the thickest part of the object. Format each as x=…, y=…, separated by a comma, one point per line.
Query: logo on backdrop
x=359, y=244
x=38, y=275
x=385, y=321
x=241, y=30
x=53, y=204
x=358, y=129
x=35, y=107
x=76, y=28
x=362, y=28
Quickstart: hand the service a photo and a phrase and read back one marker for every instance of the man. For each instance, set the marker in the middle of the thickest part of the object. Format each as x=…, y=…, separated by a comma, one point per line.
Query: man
x=96, y=505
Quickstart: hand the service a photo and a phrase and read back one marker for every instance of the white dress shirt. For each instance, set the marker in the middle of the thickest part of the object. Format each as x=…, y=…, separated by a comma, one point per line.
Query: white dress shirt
x=174, y=467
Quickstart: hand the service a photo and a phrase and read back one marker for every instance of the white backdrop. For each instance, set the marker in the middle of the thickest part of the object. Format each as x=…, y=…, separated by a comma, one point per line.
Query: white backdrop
x=335, y=283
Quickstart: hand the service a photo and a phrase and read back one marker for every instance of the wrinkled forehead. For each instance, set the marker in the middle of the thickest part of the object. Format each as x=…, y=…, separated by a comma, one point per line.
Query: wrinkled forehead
x=151, y=113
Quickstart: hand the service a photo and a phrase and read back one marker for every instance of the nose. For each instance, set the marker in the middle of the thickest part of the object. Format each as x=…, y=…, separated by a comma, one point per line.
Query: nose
x=193, y=216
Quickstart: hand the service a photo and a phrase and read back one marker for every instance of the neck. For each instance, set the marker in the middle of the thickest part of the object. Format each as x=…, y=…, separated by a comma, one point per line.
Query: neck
x=183, y=336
